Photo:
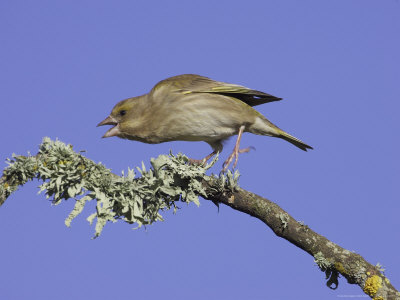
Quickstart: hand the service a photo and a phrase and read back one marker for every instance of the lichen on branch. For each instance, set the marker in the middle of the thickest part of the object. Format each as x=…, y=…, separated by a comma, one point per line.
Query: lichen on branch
x=67, y=174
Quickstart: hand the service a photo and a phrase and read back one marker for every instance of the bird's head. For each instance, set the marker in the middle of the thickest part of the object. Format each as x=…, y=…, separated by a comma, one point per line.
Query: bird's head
x=119, y=117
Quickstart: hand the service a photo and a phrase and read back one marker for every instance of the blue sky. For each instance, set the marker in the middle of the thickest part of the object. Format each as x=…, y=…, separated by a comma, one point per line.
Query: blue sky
x=336, y=64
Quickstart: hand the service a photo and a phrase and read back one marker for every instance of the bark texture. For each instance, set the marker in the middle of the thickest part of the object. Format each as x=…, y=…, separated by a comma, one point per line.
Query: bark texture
x=330, y=257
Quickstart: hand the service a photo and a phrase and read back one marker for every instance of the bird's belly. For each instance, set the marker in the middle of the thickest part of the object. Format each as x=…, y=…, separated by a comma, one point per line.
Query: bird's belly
x=182, y=129
x=198, y=131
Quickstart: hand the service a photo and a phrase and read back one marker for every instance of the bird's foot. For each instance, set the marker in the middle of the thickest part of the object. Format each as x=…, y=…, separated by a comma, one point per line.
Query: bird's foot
x=197, y=162
x=245, y=150
x=235, y=154
x=201, y=162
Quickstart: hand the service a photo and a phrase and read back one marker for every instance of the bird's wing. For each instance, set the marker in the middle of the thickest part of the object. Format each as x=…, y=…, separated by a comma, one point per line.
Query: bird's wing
x=198, y=84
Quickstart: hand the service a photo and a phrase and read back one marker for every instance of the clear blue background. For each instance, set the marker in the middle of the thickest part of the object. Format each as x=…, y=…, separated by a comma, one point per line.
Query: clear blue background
x=63, y=66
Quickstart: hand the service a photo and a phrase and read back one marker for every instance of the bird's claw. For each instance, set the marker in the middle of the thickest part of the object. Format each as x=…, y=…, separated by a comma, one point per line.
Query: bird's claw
x=245, y=150
x=197, y=162
x=235, y=154
x=202, y=162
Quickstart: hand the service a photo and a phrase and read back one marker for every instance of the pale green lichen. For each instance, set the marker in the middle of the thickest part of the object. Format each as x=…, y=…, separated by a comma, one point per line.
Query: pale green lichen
x=304, y=227
x=321, y=261
x=358, y=271
x=67, y=174
x=284, y=219
x=380, y=268
x=332, y=275
x=229, y=181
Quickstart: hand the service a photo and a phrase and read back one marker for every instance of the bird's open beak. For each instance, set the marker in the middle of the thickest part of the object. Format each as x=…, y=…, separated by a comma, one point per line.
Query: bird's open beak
x=113, y=131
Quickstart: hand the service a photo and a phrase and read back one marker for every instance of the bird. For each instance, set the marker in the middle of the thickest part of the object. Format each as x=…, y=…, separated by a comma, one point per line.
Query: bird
x=191, y=107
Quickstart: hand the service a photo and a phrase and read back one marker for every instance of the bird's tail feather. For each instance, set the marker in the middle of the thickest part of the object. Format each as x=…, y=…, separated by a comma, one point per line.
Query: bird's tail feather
x=295, y=141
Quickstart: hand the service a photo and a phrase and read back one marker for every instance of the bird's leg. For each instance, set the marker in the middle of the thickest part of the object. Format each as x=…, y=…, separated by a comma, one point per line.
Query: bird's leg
x=236, y=151
x=245, y=150
x=202, y=162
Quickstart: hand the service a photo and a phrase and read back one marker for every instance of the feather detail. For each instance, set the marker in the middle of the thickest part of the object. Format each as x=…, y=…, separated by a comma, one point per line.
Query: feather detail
x=190, y=83
x=295, y=141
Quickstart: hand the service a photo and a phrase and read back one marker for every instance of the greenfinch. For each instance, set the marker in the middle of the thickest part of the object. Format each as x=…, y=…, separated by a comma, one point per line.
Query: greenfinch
x=195, y=108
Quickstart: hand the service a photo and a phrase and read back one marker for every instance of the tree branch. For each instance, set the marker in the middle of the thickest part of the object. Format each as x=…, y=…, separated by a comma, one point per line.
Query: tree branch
x=67, y=174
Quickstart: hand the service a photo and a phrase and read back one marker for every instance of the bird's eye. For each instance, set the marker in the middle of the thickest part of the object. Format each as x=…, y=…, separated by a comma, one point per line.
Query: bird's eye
x=122, y=113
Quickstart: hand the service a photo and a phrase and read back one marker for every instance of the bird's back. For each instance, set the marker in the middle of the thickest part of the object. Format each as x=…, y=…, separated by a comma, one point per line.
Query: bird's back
x=191, y=83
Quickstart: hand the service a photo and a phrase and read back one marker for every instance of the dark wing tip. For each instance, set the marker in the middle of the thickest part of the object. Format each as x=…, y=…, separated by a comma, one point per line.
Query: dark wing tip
x=306, y=147
x=257, y=99
x=303, y=146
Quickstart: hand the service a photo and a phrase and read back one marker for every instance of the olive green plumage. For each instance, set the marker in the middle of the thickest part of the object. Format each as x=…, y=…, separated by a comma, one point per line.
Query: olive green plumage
x=193, y=108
